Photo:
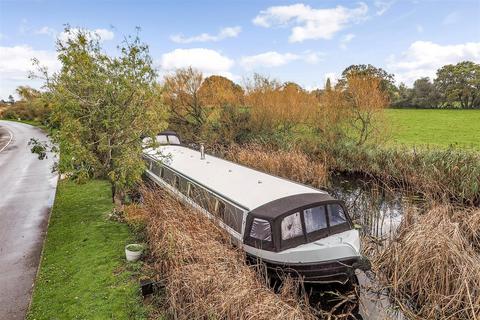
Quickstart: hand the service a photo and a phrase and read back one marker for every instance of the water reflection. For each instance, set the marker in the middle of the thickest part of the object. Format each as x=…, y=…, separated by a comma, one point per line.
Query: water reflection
x=379, y=211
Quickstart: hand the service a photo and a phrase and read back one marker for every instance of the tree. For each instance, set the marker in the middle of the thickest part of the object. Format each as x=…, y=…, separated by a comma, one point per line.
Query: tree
x=424, y=94
x=181, y=95
x=403, y=97
x=460, y=84
x=387, y=80
x=27, y=93
x=11, y=100
x=219, y=91
x=328, y=85
x=330, y=118
x=105, y=104
x=227, y=119
x=290, y=85
x=365, y=101
x=276, y=107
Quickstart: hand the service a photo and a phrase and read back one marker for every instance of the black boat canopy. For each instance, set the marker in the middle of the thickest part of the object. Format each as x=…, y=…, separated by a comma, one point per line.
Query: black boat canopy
x=263, y=227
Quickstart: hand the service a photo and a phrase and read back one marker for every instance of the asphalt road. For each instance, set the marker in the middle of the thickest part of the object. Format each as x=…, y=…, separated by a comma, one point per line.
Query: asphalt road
x=27, y=191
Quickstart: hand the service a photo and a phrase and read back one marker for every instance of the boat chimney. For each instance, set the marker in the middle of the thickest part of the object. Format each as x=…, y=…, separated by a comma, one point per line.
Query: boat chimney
x=202, y=152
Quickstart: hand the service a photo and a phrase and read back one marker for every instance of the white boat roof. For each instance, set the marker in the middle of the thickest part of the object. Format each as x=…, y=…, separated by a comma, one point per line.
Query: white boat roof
x=245, y=186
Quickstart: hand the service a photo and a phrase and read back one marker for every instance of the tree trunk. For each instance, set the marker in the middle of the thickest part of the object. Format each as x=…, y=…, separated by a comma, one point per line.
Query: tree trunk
x=114, y=192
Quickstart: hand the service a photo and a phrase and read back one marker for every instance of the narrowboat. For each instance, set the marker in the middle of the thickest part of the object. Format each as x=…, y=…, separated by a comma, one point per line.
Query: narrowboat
x=290, y=227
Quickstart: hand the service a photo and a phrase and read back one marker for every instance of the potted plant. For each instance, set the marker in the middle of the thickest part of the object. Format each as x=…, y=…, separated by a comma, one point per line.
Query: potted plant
x=133, y=251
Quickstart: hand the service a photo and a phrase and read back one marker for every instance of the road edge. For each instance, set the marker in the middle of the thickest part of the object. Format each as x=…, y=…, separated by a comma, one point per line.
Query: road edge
x=9, y=141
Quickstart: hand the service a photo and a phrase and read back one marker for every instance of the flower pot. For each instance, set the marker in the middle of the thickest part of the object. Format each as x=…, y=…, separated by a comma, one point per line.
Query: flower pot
x=133, y=252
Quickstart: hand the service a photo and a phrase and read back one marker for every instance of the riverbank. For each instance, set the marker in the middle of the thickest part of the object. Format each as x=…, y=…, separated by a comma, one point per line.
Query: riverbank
x=83, y=273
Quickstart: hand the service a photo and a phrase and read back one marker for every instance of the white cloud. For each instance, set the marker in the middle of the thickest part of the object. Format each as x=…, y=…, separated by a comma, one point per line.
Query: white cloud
x=346, y=40
x=102, y=34
x=383, y=6
x=451, y=18
x=46, y=30
x=268, y=59
x=423, y=58
x=229, y=32
x=16, y=63
x=272, y=59
x=309, y=23
x=312, y=57
x=206, y=60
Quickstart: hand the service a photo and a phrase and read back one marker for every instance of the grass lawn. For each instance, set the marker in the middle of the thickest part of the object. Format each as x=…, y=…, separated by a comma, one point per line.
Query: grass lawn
x=83, y=273
x=444, y=128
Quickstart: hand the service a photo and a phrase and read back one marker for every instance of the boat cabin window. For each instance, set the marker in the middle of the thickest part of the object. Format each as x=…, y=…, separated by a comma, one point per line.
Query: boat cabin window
x=234, y=218
x=261, y=230
x=192, y=192
x=162, y=139
x=182, y=185
x=336, y=215
x=220, y=211
x=208, y=201
x=148, y=163
x=202, y=197
x=157, y=169
x=173, y=139
x=167, y=175
x=176, y=182
x=315, y=219
x=292, y=226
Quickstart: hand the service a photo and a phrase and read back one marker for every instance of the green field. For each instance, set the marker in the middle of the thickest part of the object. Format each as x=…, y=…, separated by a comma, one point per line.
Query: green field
x=83, y=273
x=444, y=128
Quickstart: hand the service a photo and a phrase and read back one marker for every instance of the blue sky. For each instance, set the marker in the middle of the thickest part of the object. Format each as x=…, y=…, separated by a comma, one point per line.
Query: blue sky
x=301, y=41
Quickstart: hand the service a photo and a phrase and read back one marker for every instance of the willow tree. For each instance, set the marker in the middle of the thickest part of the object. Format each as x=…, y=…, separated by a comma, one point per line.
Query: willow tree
x=277, y=107
x=104, y=105
x=365, y=101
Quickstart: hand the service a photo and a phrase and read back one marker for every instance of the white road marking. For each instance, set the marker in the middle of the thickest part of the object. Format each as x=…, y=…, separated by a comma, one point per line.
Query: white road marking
x=11, y=137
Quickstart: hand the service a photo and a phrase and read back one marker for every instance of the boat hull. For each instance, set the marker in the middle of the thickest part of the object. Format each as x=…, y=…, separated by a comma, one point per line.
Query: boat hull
x=336, y=271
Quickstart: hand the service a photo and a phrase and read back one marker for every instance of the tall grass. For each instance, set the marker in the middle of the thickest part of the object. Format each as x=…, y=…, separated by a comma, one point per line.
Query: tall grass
x=433, y=266
x=293, y=164
x=205, y=277
x=448, y=174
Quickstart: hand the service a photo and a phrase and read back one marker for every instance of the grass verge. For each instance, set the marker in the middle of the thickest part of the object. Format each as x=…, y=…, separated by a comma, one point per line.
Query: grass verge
x=30, y=122
x=83, y=274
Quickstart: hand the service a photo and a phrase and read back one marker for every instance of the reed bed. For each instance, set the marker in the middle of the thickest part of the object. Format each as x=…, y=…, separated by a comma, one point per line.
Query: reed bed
x=450, y=174
x=291, y=164
x=205, y=276
x=433, y=267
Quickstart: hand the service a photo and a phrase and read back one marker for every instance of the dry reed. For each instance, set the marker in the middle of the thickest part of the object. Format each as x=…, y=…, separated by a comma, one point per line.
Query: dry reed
x=432, y=267
x=205, y=277
x=291, y=164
